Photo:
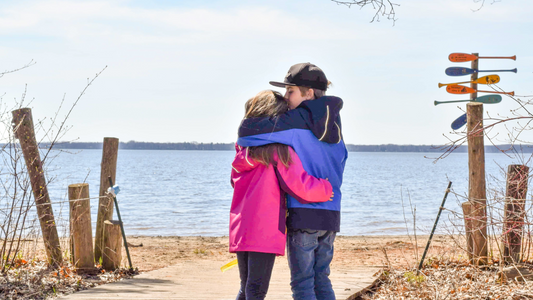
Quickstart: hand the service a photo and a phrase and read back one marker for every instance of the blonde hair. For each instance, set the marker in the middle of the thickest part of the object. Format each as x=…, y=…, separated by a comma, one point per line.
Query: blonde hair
x=268, y=104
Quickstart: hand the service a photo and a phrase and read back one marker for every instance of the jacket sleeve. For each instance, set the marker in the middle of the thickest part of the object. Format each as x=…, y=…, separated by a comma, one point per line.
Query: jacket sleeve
x=282, y=137
x=305, y=188
x=296, y=118
x=321, y=116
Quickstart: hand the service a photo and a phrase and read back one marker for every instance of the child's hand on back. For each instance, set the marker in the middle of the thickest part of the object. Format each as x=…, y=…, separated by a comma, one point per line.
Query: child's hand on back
x=332, y=193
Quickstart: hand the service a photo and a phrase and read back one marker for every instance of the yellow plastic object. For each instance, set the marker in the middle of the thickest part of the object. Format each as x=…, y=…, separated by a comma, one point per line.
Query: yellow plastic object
x=229, y=265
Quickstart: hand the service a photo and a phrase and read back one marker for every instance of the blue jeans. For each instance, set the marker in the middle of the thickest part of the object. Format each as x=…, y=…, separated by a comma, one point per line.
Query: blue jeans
x=310, y=252
x=255, y=269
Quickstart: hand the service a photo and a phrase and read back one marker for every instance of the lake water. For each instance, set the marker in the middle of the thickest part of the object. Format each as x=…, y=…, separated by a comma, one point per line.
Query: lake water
x=187, y=193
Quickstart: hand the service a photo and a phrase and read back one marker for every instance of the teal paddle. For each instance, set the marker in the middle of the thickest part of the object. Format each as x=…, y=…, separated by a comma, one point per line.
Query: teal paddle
x=487, y=99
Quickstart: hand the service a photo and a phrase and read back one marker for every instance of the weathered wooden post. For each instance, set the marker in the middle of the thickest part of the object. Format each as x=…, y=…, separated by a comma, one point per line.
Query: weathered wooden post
x=474, y=65
x=80, y=226
x=467, y=215
x=513, y=223
x=105, y=204
x=477, y=186
x=467, y=206
x=24, y=132
x=112, y=253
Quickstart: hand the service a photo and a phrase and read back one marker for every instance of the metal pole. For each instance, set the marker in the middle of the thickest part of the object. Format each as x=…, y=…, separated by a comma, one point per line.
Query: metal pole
x=434, y=227
x=121, y=226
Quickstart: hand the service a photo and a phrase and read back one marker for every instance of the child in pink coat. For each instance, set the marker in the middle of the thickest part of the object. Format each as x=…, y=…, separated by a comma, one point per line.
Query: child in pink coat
x=260, y=177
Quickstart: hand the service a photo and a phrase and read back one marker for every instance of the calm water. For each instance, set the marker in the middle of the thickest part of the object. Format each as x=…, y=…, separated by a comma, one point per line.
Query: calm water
x=188, y=192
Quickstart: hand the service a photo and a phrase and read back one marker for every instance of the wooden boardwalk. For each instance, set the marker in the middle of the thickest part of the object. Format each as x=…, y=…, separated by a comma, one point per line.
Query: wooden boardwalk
x=202, y=279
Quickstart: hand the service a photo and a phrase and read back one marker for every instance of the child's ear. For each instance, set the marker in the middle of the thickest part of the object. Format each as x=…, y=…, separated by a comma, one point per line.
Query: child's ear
x=310, y=95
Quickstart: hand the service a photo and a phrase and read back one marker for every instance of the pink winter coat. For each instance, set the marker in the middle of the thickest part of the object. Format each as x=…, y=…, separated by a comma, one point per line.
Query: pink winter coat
x=258, y=208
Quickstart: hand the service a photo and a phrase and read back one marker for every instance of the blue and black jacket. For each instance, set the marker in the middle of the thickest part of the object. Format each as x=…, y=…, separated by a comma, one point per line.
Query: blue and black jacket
x=314, y=131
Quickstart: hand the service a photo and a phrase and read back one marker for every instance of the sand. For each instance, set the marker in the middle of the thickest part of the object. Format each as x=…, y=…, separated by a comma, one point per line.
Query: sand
x=357, y=259
x=396, y=251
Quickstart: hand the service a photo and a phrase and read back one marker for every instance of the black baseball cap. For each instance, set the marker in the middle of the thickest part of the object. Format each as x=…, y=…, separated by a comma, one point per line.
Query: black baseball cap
x=304, y=74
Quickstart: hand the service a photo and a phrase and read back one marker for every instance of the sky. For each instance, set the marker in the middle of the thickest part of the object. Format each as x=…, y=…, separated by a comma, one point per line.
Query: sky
x=181, y=71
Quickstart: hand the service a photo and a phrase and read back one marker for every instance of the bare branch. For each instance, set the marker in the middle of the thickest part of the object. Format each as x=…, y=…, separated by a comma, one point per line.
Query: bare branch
x=483, y=3
x=61, y=128
x=31, y=63
x=383, y=8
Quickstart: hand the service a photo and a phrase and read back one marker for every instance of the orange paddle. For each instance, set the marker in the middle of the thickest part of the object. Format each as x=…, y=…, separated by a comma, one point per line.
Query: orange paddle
x=460, y=89
x=462, y=57
x=489, y=79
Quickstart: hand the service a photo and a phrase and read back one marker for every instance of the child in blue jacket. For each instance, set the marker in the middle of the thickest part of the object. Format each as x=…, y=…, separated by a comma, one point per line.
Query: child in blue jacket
x=313, y=128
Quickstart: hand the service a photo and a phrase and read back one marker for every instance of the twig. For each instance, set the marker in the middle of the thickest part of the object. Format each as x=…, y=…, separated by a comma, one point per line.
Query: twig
x=31, y=63
x=382, y=7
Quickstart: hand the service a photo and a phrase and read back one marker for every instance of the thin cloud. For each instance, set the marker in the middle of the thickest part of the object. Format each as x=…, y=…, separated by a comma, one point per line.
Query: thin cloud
x=112, y=20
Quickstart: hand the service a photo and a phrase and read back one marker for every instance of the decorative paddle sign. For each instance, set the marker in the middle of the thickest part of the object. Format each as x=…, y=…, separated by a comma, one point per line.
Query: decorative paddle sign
x=456, y=88
x=464, y=57
x=459, y=122
x=488, y=99
x=461, y=71
x=489, y=79
x=461, y=89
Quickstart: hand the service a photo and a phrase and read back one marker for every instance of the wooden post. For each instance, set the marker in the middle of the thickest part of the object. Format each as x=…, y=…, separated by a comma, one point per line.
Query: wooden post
x=80, y=226
x=477, y=187
x=467, y=212
x=24, y=132
x=467, y=206
x=105, y=204
x=474, y=65
x=112, y=253
x=513, y=223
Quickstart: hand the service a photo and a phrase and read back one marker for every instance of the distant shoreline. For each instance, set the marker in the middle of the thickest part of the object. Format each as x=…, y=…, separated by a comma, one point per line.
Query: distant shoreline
x=132, y=145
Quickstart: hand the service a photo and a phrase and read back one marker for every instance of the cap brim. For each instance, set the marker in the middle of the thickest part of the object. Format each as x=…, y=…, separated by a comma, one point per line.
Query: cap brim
x=281, y=84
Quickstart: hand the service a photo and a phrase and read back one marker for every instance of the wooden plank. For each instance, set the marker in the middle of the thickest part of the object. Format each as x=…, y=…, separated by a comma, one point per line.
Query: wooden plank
x=193, y=279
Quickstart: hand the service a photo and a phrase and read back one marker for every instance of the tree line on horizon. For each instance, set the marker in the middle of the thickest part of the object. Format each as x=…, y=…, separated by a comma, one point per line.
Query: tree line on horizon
x=133, y=145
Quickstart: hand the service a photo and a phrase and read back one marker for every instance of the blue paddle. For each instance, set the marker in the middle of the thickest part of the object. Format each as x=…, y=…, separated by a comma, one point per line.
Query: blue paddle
x=460, y=71
x=459, y=122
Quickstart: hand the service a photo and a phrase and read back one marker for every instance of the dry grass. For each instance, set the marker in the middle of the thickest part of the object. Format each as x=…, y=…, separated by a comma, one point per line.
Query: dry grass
x=451, y=279
x=448, y=274
x=31, y=277
x=34, y=280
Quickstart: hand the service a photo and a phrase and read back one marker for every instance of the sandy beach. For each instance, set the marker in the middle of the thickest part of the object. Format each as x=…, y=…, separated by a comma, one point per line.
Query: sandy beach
x=188, y=259
x=398, y=251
